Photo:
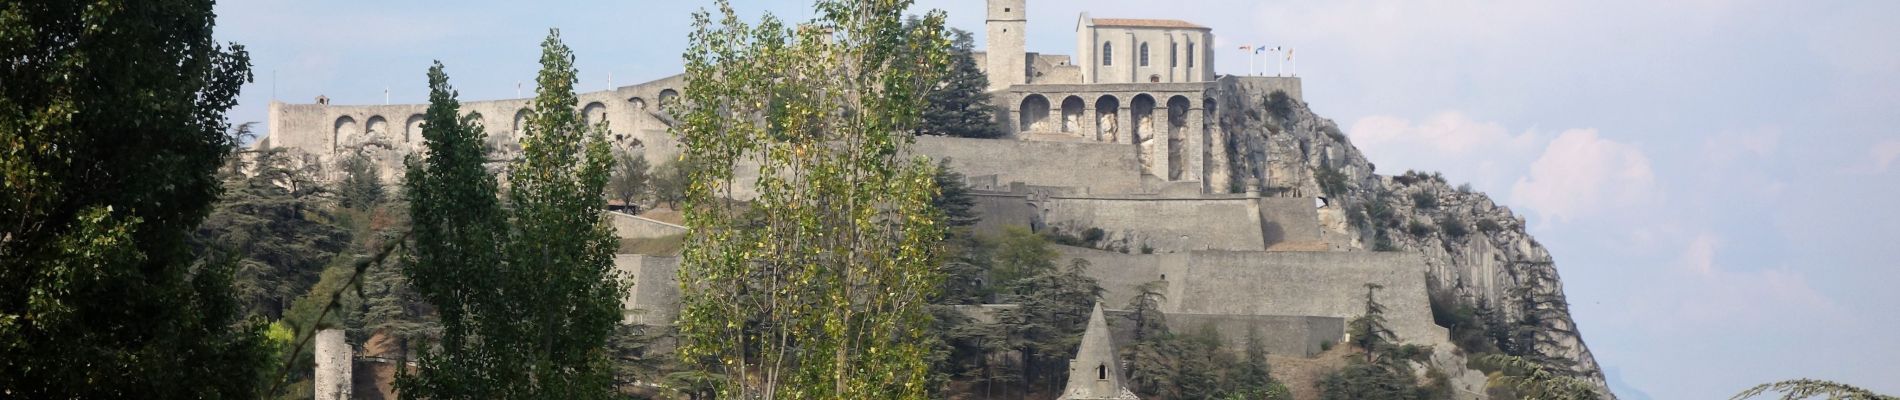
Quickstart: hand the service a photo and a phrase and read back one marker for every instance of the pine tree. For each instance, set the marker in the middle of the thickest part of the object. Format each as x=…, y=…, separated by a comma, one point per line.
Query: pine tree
x=112, y=129
x=960, y=106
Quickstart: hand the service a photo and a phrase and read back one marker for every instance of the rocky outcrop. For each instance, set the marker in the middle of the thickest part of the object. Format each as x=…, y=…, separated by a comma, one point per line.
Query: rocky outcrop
x=1473, y=247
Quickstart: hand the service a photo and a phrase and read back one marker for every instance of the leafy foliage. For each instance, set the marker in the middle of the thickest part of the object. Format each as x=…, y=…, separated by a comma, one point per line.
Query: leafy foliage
x=840, y=248
x=112, y=127
x=1424, y=200
x=362, y=185
x=527, y=293
x=1331, y=181
x=274, y=227
x=1527, y=380
x=630, y=177
x=1453, y=227
x=1384, y=371
x=1797, y=389
x=960, y=104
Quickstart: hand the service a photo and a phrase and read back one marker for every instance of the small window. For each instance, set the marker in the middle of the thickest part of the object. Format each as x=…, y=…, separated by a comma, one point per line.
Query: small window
x=1005, y=9
x=1174, y=55
x=1101, y=372
x=1164, y=277
x=1108, y=53
x=1190, y=55
x=1144, y=54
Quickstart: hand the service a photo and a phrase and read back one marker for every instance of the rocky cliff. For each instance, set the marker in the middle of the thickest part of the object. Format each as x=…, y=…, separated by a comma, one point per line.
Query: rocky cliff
x=1477, y=251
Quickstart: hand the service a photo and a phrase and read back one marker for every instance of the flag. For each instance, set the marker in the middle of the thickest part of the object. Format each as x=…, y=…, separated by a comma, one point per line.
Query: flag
x=1259, y=49
x=1289, y=54
x=1246, y=47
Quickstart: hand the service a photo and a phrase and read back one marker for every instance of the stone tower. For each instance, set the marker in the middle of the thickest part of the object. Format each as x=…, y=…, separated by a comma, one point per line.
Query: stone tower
x=333, y=356
x=1095, y=373
x=1004, y=57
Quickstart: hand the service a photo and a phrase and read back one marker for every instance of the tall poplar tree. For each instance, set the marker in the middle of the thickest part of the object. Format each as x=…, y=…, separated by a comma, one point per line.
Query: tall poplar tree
x=527, y=293
x=817, y=287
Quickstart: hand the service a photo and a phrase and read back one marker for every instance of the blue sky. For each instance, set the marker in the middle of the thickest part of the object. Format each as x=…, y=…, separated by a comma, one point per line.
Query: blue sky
x=1715, y=178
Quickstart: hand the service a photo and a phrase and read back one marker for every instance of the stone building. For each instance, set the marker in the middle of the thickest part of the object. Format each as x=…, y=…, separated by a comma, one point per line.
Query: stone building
x=1096, y=372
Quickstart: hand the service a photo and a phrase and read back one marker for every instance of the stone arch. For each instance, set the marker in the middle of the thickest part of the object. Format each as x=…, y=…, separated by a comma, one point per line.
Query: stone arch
x=1108, y=54
x=637, y=103
x=1072, y=114
x=1034, y=113
x=668, y=96
x=1178, y=109
x=344, y=133
x=1107, y=110
x=1144, y=54
x=593, y=113
x=521, y=122
x=376, y=128
x=1141, y=120
x=412, y=129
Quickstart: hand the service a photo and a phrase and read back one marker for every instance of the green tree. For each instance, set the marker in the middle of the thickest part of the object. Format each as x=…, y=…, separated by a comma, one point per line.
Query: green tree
x=362, y=185
x=1528, y=380
x=1145, y=308
x=277, y=233
x=112, y=129
x=630, y=177
x=1055, y=308
x=669, y=181
x=960, y=103
x=817, y=287
x=456, y=223
x=536, y=322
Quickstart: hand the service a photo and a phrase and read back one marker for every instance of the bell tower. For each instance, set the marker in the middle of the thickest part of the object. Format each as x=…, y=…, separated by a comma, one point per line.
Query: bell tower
x=1004, y=58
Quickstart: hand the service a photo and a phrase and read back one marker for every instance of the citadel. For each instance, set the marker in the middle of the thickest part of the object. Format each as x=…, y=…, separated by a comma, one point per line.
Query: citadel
x=1134, y=134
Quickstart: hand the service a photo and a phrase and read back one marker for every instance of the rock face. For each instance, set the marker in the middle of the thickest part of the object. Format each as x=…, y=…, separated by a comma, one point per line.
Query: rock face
x=1473, y=248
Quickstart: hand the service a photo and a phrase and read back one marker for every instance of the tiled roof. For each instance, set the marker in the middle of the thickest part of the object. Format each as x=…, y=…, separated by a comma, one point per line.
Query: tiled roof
x=1147, y=23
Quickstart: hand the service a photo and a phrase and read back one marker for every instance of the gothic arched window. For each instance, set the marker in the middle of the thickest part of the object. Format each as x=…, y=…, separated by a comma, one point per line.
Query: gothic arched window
x=1108, y=53
x=1144, y=54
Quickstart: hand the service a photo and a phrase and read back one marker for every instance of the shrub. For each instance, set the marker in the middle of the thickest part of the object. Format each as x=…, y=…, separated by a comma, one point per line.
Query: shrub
x=1489, y=226
x=1146, y=249
x=1357, y=217
x=1424, y=200
x=1280, y=105
x=1093, y=235
x=1452, y=226
x=1325, y=345
x=1383, y=242
x=1330, y=180
x=1381, y=213
x=1465, y=188
x=1057, y=236
x=1417, y=228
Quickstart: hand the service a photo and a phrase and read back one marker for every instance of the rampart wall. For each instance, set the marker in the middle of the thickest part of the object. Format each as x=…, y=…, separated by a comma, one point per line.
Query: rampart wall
x=1099, y=167
x=1279, y=334
x=636, y=227
x=1324, y=284
x=654, y=298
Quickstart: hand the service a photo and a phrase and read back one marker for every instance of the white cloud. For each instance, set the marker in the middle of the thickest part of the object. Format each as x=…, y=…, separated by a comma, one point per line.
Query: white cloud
x=1465, y=149
x=1581, y=174
x=1884, y=154
x=1716, y=295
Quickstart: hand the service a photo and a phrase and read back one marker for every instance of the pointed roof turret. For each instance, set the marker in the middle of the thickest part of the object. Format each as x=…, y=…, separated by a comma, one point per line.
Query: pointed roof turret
x=1095, y=373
